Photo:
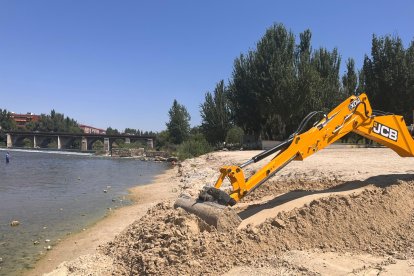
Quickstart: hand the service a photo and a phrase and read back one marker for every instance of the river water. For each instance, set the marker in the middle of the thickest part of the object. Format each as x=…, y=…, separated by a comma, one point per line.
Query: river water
x=55, y=194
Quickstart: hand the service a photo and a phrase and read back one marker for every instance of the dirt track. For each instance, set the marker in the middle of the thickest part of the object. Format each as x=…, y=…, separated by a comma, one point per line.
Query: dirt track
x=340, y=211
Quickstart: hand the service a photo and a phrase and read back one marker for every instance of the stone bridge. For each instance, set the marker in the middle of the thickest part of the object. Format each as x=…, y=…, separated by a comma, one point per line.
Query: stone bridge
x=66, y=140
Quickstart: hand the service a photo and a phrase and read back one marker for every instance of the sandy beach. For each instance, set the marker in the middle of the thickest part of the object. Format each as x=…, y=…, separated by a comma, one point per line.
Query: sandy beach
x=343, y=210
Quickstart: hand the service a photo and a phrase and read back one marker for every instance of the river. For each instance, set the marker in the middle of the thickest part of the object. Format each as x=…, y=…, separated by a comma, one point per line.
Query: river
x=55, y=194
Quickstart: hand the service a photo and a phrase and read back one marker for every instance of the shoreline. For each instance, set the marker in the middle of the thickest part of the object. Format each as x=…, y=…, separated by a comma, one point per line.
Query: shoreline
x=105, y=229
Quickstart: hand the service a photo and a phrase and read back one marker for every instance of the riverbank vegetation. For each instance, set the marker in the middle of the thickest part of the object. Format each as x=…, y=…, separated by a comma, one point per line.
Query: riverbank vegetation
x=277, y=83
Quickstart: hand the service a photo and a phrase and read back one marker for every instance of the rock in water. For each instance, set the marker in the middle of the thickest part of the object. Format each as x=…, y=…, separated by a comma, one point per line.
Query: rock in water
x=15, y=223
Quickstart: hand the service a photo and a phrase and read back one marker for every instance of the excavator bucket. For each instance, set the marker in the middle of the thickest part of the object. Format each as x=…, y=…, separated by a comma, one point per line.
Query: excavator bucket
x=211, y=206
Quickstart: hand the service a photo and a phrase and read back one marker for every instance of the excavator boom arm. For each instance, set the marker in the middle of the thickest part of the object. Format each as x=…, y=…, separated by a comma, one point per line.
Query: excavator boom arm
x=352, y=115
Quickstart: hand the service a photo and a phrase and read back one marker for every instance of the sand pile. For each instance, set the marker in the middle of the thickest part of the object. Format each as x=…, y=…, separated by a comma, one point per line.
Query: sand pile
x=378, y=221
x=168, y=241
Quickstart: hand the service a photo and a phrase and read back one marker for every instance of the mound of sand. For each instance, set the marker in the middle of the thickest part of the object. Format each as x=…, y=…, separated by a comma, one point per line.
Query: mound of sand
x=170, y=241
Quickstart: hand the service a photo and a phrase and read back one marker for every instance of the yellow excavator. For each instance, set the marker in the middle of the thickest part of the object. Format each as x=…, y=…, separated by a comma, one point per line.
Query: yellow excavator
x=352, y=115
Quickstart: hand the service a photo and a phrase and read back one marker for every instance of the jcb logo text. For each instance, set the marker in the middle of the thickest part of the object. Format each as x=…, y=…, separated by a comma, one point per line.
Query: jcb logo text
x=354, y=103
x=385, y=131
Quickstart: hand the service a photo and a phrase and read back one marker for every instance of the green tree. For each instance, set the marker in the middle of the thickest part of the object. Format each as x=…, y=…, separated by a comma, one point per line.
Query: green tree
x=55, y=122
x=307, y=78
x=112, y=131
x=263, y=81
x=389, y=75
x=6, y=121
x=243, y=95
x=361, y=82
x=179, y=124
x=327, y=65
x=132, y=131
x=409, y=58
x=162, y=141
x=350, y=79
x=27, y=143
x=235, y=136
x=195, y=146
x=275, y=85
x=98, y=145
x=275, y=67
x=215, y=114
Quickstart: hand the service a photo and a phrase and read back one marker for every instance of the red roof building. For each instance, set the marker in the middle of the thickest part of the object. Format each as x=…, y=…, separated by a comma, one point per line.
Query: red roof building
x=22, y=119
x=92, y=130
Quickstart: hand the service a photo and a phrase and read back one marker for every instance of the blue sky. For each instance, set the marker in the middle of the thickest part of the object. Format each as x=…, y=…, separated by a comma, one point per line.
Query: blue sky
x=122, y=63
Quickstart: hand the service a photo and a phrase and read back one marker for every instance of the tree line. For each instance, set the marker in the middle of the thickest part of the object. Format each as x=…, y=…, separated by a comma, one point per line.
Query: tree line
x=131, y=131
x=53, y=122
x=276, y=84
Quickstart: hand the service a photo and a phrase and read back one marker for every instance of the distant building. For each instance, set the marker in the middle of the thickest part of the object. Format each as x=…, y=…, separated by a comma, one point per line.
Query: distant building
x=22, y=119
x=92, y=130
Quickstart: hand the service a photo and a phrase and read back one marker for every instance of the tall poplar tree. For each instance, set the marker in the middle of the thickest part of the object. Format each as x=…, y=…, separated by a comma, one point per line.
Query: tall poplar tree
x=389, y=75
x=215, y=114
x=6, y=121
x=179, y=125
x=275, y=85
x=350, y=79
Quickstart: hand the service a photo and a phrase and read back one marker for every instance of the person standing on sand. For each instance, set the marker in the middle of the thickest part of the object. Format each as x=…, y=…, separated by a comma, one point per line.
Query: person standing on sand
x=7, y=157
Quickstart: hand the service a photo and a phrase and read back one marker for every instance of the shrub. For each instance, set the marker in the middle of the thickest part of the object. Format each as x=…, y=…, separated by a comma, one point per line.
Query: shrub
x=195, y=146
x=162, y=142
x=52, y=144
x=234, y=136
x=98, y=145
x=27, y=143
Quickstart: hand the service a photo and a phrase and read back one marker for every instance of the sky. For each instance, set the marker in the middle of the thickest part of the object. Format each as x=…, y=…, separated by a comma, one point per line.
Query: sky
x=122, y=63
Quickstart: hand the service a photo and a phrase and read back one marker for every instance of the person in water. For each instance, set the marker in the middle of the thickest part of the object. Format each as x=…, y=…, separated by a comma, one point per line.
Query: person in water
x=7, y=157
